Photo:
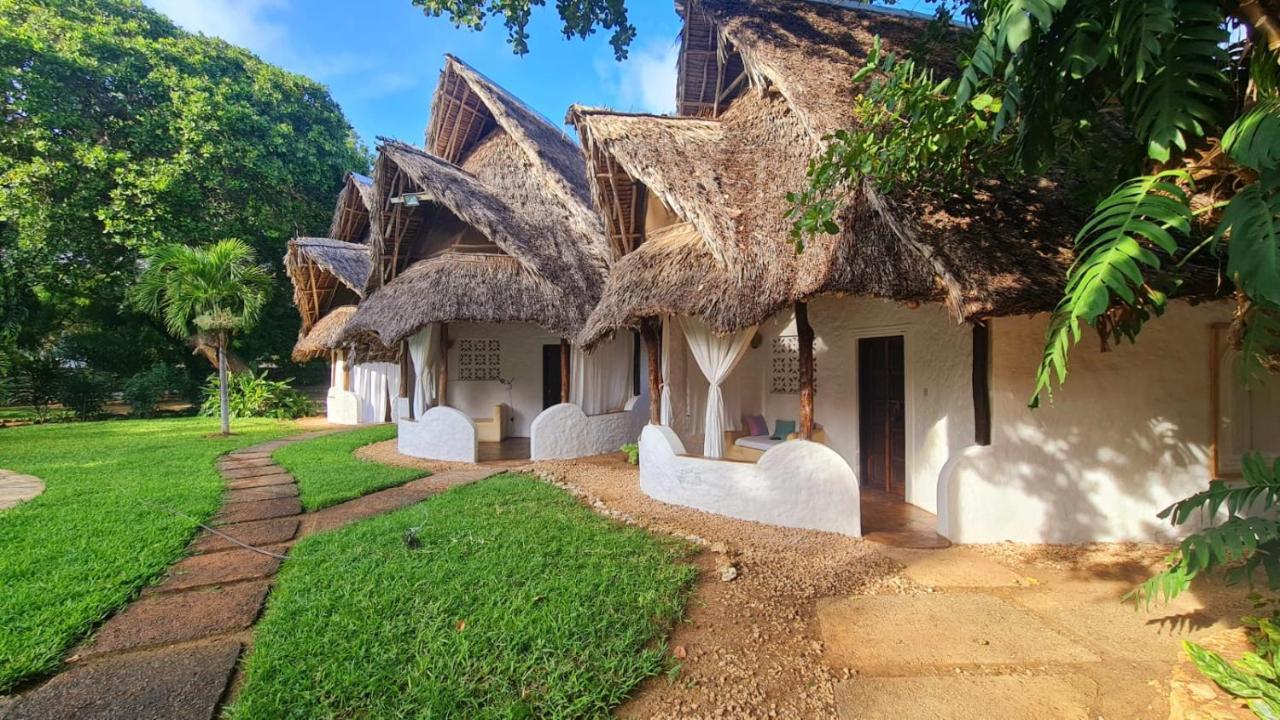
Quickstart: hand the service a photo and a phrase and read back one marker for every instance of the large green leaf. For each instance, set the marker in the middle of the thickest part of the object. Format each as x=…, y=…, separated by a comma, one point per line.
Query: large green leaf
x=1113, y=247
x=1251, y=224
x=1139, y=27
x=1254, y=138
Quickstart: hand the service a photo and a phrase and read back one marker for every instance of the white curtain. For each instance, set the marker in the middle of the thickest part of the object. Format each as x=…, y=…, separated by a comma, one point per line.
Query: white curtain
x=374, y=384
x=600, y=380
x=716, y=356
x=666, y=416
x=424, y=351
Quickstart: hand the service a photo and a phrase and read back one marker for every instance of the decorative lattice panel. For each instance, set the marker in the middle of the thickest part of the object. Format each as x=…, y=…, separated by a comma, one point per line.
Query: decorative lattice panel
x=479, y=359
x=784, y=365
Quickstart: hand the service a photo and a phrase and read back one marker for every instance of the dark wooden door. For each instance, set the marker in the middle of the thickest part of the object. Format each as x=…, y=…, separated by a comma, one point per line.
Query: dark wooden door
x=550, y=375
x=882, y=427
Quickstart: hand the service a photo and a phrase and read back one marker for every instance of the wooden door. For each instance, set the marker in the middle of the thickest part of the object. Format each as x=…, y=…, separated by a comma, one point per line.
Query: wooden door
x=550, y=375
x=882, y=427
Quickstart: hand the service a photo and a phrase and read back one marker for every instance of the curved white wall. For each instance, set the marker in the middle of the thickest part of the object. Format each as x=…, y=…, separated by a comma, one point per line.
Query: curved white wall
x=342, y=407
x=564, y=431
x=796, y=484
x=442, y=433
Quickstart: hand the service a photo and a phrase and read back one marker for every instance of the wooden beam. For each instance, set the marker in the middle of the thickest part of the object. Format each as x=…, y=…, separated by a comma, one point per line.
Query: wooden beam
x=804, y=331
x=981, y=384
x=651, y=331
x=564, y=370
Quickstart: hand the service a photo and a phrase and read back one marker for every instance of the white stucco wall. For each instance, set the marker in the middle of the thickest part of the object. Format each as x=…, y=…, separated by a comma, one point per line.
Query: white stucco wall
x=796, y=484
x=521, y=364
x=1128, y=434
x=342, y=407
x=938, y=358
x=442, y=433
x=564, y=431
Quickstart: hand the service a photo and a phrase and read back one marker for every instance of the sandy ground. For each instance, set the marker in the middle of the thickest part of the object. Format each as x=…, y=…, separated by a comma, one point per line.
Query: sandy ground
x=818, y=625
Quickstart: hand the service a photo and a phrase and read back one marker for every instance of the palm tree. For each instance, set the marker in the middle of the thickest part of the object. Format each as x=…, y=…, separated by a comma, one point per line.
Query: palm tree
x=216, y=290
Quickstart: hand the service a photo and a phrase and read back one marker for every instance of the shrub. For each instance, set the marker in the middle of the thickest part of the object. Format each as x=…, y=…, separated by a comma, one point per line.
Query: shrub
x=84, y=392
x=144, y=391
x=633, y=453
x=256, y=396
x=1254, y=678
x=34, y=379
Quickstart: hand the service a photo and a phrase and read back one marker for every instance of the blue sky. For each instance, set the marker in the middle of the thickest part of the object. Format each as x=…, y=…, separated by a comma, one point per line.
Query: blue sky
x=381, y=58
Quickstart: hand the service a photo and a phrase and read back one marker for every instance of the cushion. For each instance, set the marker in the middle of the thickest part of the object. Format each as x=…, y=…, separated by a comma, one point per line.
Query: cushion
x=757, y=442
x=756, y=425
x=783, y=428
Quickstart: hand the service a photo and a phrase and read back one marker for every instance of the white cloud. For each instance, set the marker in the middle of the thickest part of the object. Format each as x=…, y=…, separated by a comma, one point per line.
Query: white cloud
x=246, y=23
x=645, y=81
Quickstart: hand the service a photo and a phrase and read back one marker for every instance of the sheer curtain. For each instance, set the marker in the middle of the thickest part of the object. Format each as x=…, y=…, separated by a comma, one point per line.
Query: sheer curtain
x=666, y=416
x=373, y=384
x=424, y=350
x=600, y=381
x=716, y=356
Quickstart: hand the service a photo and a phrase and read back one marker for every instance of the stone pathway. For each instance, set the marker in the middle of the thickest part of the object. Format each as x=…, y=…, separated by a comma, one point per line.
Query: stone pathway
x=173, y=653
x=17, y=488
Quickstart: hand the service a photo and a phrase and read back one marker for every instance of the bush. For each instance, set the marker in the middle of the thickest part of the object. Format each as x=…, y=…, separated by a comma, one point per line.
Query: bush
x=34, y=379
x=84, y=392
x=256, y=396
x=633, y=453
x=144, y=391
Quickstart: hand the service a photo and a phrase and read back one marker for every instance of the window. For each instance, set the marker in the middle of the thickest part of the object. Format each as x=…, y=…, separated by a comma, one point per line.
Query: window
x=784, y=365
x=479, y=359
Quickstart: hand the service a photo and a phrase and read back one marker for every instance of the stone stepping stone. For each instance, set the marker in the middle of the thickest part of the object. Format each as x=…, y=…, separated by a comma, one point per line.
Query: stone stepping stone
x=966, y=697
x=17, y=488
x=894, y=635
x=244, y=463
x=220, y=569
x=260, y=510
x=265, y=492
x=280, y=478
x=258, y=534
x=181, y=617
x=182, y=683
x=251, y=472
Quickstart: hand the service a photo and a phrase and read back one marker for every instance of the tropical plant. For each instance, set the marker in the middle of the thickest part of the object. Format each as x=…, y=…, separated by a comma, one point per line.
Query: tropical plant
x=632, y=451
x=85, y=391
x=144, y=391
x=250, y=395
x=217, y=291
x=33, y=379
x=122, y=132
x=1255, y=677
x=581, y=17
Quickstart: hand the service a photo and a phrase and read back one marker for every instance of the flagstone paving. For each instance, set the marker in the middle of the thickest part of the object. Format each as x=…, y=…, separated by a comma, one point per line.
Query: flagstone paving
x=172, y=653
x=17, y=488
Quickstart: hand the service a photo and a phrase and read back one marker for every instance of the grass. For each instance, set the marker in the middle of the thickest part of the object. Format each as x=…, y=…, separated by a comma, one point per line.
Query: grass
x=328, y=473
x=516, y=603
x=27, y=412
x=98, y=535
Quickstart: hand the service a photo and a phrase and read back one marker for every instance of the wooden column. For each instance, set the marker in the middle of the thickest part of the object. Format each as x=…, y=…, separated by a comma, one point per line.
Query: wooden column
x=564, y=370
x=406, y=370
x=651, y=331
x=442, y=383
x=804, y=332
x=981, y=384
x=346, y=369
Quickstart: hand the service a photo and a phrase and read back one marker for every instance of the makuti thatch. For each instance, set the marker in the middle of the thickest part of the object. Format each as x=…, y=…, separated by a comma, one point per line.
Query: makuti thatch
x=325, y=335
x=325, y=273
x=503, y=231
x=351, y=214
x=770, y=80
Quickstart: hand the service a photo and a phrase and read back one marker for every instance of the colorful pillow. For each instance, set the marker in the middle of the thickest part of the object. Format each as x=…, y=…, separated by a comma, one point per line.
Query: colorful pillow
x=756, y=425
x=783, y=428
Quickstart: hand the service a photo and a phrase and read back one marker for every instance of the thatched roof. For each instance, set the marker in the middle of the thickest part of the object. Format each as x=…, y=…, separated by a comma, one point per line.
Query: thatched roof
x=325, y=272
x=505, y=173
x=325, y=335
x=351, y=214
x=1004, y=250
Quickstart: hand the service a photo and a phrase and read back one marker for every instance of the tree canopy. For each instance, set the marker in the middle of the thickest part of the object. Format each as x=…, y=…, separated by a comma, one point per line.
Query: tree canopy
x=581, y=17
x=122, y=133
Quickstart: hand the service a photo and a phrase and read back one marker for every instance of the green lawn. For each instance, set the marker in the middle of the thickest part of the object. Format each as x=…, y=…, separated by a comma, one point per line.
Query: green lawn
x=517, y=603
x=328, y=473
x=99, y=533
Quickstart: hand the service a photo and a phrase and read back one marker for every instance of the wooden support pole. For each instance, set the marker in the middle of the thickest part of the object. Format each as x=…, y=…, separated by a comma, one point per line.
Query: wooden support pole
x=406, y=369
x=651, y=331
x=564, y=371
x=981, y=384
x=804, y=331
x=346, y=370
x=442, y=383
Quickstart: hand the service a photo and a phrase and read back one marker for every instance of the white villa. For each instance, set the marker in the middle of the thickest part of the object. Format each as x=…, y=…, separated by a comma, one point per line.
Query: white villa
x=905, y=347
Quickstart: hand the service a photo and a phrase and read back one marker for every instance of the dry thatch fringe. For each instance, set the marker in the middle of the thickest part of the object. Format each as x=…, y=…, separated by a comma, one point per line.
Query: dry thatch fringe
x=325, y=335
x=465, y=287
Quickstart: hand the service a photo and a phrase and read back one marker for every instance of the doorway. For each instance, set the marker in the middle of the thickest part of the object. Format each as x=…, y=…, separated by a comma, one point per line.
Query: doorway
x=550, y=375
x=882, y=426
